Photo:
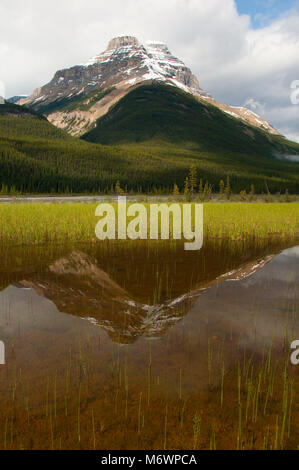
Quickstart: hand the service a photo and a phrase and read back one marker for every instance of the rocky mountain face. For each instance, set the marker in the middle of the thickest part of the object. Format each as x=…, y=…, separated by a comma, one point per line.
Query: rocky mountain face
x=76, y=97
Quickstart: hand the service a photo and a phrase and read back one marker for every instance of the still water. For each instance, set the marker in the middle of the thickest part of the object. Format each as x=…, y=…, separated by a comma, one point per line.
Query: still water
x=148, y=346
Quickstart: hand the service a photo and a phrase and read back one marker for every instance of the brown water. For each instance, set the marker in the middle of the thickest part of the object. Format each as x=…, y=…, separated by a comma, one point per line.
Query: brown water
x=143, y=345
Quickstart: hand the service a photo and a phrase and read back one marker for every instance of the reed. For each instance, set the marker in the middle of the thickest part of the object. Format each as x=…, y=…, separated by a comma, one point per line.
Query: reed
x=79, y=414
x=27, y=224
x=196, y=429
x=93, y=429
x=139, y=413
x=222, y=384
x=165, y=428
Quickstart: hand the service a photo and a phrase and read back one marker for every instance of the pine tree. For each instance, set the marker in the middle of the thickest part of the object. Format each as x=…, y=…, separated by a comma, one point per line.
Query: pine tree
x=221, y=189
x=200, y=188
x=176, y=191
x=192, y=179
x=187, y=188
x=205, y=190
x=243, y=195
x=252, y=192
x=228, y=190
x=118, y=189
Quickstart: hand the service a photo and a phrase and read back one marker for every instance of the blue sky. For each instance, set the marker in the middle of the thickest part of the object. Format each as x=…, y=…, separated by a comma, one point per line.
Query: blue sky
x=262, y=12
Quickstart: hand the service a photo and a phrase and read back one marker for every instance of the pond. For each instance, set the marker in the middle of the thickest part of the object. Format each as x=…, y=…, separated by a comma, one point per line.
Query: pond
x=147, y=346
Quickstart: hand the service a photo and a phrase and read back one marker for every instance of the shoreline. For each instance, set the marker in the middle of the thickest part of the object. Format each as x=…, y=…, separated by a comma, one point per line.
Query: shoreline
x=46, y=198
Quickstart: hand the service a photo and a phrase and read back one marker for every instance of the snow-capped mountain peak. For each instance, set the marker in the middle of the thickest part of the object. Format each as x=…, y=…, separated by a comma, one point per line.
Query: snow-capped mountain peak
x=151, y=61
x=94, y=86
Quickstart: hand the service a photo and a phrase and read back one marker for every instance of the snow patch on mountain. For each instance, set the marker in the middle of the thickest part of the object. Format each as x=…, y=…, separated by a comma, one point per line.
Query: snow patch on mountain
x=124, y=64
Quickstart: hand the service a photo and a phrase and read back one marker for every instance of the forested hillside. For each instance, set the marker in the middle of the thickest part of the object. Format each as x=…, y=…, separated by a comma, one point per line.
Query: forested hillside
x=36, y=157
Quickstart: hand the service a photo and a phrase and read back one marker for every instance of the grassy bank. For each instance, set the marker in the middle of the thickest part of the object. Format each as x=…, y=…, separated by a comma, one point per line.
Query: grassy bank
x=27, y=224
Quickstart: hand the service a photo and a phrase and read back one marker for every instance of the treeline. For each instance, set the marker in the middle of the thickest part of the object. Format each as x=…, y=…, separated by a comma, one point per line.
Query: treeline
x=72, y=169
x=194, y=188
x=205, y=191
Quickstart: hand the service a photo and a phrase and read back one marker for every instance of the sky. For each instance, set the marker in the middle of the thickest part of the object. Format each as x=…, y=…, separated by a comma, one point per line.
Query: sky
x=244, y=52
x=263, y=12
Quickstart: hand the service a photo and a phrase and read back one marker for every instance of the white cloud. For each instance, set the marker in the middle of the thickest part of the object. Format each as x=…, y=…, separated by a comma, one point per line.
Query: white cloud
x=292, y=136
x=2, y=92
x=255, y=106
x=232, y=61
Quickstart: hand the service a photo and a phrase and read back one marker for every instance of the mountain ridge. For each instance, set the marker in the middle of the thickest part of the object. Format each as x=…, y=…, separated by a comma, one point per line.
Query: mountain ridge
x=123, y=66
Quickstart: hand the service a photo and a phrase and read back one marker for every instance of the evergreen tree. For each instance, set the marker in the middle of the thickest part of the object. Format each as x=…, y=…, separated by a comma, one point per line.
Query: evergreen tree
x=187, y=188
x=243, y=195
x=118, y=189
x=228, y=190
x=176, y=191
x=205, y=190
x=252, y=192
x=200, y=190
x=192, y=179
x=221, y=189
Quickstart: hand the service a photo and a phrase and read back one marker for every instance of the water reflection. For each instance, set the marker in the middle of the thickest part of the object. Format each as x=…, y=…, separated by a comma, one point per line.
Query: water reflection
x=250, y=302
x=77, y=285
x=167, y=333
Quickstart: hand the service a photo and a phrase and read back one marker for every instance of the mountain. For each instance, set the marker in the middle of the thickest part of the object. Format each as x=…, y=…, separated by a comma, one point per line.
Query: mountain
x=166, y=120
x=161, y=112
x=16, y=99
x=76, y=97
x=143, y=120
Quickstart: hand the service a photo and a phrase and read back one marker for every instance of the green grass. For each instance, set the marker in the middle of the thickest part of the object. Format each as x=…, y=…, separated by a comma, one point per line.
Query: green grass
x=27, y=224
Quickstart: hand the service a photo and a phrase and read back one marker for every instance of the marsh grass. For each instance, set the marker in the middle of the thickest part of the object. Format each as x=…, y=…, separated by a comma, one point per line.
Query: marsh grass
x=30, y=224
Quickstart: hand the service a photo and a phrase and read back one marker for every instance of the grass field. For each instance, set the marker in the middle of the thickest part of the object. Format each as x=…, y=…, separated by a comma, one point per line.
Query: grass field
x=27, y=224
